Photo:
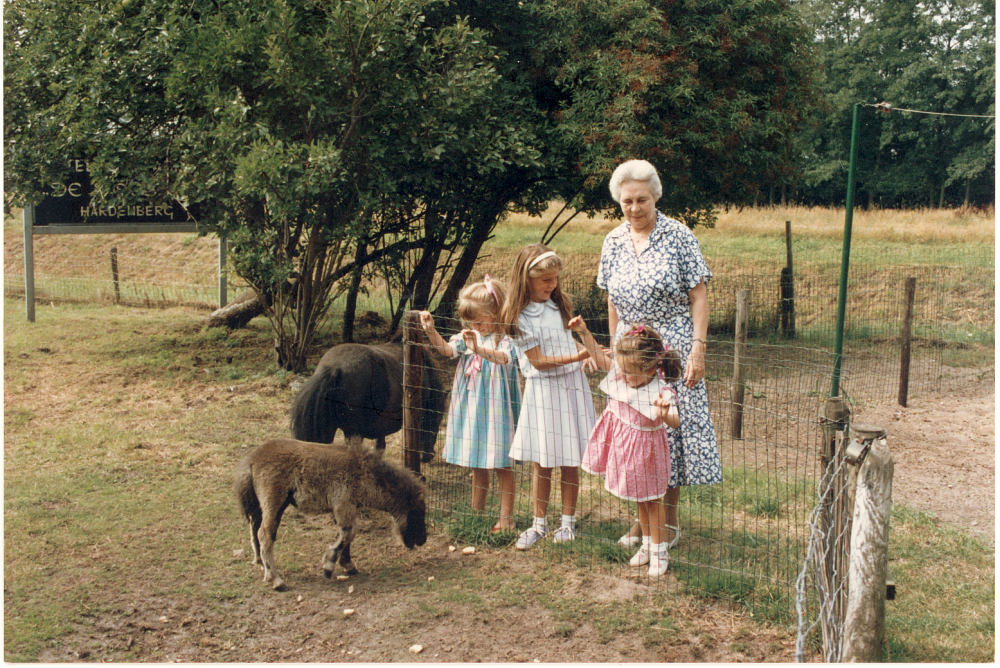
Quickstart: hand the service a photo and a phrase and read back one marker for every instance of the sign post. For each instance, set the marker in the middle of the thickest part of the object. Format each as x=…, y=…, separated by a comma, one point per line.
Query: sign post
x=69, y=208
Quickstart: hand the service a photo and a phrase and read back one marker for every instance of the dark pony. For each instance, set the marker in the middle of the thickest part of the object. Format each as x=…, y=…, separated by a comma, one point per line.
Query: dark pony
x=358, y=389
x=320, y=478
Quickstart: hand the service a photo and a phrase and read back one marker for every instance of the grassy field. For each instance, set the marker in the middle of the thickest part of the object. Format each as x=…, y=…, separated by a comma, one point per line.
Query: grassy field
x=123, y=424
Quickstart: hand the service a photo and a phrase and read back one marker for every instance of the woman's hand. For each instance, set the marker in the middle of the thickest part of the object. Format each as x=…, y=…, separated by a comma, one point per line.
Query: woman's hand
x=695, y=370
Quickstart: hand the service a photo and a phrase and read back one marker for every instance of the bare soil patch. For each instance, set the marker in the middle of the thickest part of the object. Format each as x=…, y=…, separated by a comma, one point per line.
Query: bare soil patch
x=944, y=450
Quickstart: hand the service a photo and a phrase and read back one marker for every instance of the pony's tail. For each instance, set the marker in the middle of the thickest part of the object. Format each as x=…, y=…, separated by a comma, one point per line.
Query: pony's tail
x=311, y=415
x=246, y=497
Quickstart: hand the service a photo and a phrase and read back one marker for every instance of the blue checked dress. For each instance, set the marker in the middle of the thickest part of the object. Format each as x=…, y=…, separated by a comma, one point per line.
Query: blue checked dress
x=485, y=403
x=652, y=288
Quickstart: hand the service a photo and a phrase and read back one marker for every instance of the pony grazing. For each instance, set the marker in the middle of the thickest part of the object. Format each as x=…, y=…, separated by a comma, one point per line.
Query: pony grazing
x=319, y=478
x=358, y=389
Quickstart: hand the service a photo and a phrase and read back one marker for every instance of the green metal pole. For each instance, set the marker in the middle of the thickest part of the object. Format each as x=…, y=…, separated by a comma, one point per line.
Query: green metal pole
x=845, y=261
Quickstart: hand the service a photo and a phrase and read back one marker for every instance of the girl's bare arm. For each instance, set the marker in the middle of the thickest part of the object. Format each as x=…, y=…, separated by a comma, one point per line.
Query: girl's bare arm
x=486, y=352
x=549, y=362
x=427, y=324
x=590, y=344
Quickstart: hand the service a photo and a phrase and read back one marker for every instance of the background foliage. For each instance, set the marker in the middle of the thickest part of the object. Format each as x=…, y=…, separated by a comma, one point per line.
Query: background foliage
x=337, y=144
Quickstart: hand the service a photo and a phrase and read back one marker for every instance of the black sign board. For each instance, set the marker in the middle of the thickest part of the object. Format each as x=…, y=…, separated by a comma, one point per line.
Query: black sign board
x=72, y=203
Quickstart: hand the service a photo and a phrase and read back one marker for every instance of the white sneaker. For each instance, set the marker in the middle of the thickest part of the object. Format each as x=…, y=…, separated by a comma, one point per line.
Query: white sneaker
x=563, y=535
x=529, y=538
x=630, y=540
x=641, y=558
x=658, y=562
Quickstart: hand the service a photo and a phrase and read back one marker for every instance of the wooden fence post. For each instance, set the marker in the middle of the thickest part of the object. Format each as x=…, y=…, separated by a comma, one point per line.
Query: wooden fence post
x=413, y=369
x=905, y=337
x=787, y=303
x=864, y=617
x=739, y=362
x=114, y=273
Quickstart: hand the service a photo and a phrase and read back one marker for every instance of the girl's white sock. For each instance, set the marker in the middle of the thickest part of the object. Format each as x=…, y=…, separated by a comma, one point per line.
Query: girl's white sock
x=541, y=525
x=569, y=521
x=659, y=548
x=646, y=543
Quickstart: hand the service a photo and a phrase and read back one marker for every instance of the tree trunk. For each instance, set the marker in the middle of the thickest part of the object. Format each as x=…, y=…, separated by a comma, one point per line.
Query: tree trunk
x=463, y=268
x=351, y=301
x=239, y=313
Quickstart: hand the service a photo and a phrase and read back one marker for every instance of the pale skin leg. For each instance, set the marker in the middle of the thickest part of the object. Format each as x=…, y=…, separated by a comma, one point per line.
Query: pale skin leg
x=670, y=502
x=505, y=481
x=569, y=487
x=652, y=517
x=480, y=485
x=541, y=487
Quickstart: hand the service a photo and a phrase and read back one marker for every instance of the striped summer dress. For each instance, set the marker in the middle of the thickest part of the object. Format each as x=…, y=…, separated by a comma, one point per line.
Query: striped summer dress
x=485, y=402
x=557, y=412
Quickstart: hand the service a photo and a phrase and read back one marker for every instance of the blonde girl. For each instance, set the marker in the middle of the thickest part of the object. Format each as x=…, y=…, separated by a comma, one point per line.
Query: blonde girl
x=557, y=412
x=630, y=445
x=485, y=395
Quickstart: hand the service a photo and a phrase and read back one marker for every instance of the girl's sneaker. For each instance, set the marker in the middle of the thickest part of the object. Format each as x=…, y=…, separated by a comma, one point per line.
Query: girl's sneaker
x=658, y=562
x=563, y=534
x=633, y=537
x=529, y=538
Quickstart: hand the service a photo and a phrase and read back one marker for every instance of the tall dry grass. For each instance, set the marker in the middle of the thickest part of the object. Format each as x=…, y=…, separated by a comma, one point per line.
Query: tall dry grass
x=965, y=225
x=962, y=225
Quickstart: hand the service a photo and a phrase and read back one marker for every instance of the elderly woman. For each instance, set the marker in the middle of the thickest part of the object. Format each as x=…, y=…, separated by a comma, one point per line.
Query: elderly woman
x=654, y=273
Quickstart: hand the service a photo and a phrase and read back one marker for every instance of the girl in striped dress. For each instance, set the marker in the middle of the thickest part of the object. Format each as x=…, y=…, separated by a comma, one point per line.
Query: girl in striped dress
x=557, y=413
x=485, y=396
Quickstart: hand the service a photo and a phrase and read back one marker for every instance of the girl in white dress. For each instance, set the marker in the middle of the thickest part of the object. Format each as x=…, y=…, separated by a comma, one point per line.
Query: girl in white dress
x=557, y=410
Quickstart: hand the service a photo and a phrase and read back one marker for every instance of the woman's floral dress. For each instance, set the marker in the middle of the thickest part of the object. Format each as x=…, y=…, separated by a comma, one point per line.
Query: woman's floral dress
x=652, y=288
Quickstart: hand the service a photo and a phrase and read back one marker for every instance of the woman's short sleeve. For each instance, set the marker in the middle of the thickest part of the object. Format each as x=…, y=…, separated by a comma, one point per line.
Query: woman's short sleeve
x=604, y=267
x=693, y=267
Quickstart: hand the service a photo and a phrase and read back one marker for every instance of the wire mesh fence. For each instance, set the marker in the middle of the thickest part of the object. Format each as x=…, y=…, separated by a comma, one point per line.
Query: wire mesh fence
x=745, y=539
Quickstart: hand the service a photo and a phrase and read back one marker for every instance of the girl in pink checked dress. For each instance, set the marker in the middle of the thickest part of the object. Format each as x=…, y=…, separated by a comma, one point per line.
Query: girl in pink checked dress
x=630, y=444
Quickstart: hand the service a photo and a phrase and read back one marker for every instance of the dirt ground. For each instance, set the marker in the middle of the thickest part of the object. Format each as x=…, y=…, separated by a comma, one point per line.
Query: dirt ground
x=943, y=449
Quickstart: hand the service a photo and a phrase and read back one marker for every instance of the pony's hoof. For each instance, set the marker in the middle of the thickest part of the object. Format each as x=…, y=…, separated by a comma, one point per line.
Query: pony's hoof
x=327, y=574
x=427, y=457
x=278, y=584
x=352, y=571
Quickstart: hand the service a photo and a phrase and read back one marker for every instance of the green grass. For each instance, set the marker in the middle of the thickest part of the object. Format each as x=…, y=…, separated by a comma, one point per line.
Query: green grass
x=122, y=424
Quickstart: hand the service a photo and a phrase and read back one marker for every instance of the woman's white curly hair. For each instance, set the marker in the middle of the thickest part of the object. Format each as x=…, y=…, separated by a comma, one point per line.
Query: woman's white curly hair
x=635, y=170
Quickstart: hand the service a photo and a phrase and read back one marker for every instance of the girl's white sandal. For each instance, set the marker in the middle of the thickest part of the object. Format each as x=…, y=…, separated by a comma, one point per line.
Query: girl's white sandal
x=658, y=562
x=640, y=558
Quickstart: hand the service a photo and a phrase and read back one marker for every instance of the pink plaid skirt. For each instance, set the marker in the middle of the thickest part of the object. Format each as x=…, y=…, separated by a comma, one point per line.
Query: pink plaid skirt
x=631, y=451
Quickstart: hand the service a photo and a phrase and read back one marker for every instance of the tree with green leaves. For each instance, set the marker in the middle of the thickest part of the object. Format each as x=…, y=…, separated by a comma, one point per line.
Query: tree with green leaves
x=332, y=139
x=936, y=57
x=288, y=122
